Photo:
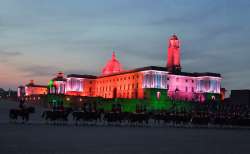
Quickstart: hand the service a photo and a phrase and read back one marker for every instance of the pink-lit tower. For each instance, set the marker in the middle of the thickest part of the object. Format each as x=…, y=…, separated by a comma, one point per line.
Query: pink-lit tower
x=173, y=63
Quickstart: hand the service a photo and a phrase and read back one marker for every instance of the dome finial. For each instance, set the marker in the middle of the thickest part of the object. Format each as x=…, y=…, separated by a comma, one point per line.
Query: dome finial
x=113, y=55
x=174, y=37
x=32, y=82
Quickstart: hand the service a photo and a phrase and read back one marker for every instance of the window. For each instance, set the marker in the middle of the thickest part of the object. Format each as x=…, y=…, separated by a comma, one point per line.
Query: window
x=136, y=94
x=158, y=95
x=186, y=89
x=176, y=89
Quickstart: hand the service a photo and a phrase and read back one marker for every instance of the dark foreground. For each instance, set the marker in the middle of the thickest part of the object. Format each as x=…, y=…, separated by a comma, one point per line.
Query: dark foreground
x=71, y=139
x=41, y=138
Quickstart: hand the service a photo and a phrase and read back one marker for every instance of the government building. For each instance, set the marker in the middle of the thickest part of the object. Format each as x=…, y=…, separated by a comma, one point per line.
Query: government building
x=115, y=82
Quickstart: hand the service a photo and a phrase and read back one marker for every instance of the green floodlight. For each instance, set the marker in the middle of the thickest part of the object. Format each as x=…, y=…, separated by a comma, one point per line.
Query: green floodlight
x=50, y=83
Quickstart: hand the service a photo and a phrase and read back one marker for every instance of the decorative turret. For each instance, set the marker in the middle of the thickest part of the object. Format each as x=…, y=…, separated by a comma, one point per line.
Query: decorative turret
x=58, y=84
x=59, y=77
x=31, y=83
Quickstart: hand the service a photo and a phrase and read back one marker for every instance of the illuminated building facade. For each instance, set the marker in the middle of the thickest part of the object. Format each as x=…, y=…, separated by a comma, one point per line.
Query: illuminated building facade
x=132, y=84
x=33, y=89
x=58, y=84
x=80, y=85
x=114, y=82
x=20, y=91
x=193, y=86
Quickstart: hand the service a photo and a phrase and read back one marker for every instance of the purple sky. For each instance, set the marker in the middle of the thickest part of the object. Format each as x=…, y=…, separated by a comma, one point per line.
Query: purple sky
x=41, y=37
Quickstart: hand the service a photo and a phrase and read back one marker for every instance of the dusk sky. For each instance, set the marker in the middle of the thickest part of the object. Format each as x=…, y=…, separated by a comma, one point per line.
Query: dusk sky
x=41, y=37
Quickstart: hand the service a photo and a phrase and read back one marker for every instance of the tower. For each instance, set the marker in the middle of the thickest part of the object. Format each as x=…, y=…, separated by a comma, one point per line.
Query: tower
x=173, y=58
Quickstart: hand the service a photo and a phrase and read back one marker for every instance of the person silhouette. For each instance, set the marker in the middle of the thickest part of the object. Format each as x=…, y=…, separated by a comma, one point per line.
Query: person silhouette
x=21, y=103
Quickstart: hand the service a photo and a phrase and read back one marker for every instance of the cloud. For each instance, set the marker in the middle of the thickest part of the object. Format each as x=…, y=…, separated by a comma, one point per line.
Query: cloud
x=39, y=71
x=7, y=56
x=51, y=71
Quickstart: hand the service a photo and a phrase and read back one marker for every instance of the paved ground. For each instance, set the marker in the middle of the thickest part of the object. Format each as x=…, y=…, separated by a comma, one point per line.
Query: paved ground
x=40, y=138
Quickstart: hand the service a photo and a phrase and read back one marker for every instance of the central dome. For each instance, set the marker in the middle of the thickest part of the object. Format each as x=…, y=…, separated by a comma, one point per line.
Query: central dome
x=112, y=66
